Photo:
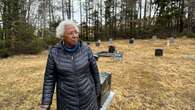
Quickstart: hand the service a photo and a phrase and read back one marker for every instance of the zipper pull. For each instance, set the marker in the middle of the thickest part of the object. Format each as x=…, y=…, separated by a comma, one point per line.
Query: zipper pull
x=72, y=57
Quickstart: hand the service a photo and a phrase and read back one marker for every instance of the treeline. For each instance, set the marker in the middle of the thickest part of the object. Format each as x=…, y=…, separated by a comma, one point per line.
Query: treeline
x=137, y=18
x=22, y=31
x=28, y=26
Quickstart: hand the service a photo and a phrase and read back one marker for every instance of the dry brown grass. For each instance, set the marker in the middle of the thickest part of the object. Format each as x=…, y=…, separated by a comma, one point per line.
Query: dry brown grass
x=140, y=82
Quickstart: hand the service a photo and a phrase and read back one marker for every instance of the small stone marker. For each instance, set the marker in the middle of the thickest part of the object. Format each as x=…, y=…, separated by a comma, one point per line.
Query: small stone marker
x=98, y=43
x=170, y=41
x=110, y=41
x=154, y=37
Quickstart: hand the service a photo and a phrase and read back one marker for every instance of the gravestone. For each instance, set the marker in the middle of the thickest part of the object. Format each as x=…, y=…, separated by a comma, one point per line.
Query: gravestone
x=111, y=49
x=97, y=44
x=88, y=43
x=170, y=41
x=190, y=56
x=154, y=37
x=131, y=40
x=184, y=37
x=118, y=56
x=96, y=57
x=158, y=52
x=105, y=87
x=110, y=41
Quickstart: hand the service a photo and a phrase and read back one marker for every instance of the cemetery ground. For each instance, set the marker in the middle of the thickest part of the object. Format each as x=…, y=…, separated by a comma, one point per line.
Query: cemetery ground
x=141, y=81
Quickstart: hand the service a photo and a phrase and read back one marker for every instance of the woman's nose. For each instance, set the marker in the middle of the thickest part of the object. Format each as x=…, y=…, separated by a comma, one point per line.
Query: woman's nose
x=75, y=35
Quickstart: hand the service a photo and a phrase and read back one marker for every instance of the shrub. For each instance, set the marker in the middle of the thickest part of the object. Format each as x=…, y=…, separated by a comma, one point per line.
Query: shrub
x=33, y=46
x=188, y=34
x=4, y=53
x=3, y=49
x=49, y=41
x=36, y=46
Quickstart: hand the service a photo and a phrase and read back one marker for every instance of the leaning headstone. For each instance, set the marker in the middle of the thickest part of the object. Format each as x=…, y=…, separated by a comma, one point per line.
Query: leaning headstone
x=105, y=82
x=158, y=52
x=111, y=49
x=154, y=37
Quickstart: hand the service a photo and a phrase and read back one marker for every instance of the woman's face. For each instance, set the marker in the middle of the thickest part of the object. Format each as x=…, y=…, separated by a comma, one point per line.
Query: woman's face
x=71, y=36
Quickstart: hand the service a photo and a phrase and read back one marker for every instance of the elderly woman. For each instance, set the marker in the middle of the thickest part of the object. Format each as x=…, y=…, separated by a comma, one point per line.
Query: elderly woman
x=73, y=69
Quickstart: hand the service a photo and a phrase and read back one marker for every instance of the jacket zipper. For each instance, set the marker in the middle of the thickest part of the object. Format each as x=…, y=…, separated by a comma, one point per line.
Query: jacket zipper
x=73, y=65
x=72, y=58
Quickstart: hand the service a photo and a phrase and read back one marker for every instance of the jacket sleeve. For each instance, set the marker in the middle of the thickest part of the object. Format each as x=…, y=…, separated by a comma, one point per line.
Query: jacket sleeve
x=49, y=81
x=94, y=71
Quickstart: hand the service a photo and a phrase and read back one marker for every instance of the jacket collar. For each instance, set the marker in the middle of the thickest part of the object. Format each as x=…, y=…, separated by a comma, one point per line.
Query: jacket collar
x=59, y=45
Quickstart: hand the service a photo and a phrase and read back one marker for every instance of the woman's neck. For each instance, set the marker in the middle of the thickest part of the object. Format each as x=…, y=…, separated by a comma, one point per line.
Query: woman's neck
x=68, y=45
x=69, y=48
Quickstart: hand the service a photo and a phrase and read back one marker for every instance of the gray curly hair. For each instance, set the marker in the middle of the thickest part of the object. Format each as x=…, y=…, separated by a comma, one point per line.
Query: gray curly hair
x=60, y=28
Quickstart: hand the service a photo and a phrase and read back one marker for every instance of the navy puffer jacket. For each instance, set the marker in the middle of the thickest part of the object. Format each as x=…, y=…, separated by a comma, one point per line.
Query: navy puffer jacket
x=76, y=78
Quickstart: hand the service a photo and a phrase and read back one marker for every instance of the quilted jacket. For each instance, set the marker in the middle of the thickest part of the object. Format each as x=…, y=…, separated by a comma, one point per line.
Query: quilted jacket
x=75, y=76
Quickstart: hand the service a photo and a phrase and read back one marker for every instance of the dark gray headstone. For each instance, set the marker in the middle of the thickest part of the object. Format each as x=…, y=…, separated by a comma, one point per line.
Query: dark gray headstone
x=111, y=49
x=105, y=82
x=158, y=52
x=131, y=40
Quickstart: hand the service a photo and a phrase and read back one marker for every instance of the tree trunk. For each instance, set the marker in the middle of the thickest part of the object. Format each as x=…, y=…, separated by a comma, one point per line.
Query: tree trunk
x=69, y=9
x=181, y=16
x=145, y=10
x=63, y=11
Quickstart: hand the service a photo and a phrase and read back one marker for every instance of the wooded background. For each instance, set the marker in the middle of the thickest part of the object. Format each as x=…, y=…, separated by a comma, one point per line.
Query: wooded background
x=28, y=26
